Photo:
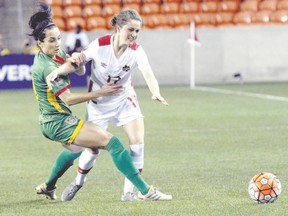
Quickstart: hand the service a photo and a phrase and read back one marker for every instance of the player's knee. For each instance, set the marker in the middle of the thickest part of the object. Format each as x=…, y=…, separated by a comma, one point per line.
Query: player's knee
x=136, y=140
x=106, y=138
x=93, y=150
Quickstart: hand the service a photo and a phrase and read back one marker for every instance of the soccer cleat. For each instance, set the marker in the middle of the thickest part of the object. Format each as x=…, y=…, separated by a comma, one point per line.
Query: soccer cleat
x=130, y=197
x=50, y=194
x=154, y=195
x=70, y=191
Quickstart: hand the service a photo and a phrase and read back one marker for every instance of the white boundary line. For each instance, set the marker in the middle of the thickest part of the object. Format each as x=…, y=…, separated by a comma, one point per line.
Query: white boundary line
x=240, y=93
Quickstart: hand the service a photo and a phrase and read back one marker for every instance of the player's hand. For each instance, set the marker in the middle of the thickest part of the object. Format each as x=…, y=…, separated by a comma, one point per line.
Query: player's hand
x=77, y=59
x=110, y=89
x=50, y=78
x=160, y=99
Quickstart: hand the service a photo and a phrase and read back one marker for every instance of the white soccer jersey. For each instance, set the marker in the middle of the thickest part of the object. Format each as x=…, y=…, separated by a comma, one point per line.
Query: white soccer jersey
x=107, y=68
x=124, y=107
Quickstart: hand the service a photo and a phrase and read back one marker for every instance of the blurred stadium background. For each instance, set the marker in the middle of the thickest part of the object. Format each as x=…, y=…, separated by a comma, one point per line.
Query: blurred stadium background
x=241, y=40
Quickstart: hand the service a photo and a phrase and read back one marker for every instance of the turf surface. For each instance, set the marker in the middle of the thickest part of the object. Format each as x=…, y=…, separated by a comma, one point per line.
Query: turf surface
x=203, y=149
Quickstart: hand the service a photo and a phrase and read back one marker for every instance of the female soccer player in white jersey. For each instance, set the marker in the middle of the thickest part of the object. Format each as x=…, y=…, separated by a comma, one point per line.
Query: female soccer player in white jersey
x=114, y=57
x=56, y=120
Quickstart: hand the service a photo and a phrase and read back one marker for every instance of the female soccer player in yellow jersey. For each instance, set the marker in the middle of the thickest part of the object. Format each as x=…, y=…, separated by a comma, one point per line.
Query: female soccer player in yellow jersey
x=56, y=120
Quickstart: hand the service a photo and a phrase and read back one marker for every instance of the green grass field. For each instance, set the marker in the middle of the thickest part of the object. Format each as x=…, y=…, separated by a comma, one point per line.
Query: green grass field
x=203, y=149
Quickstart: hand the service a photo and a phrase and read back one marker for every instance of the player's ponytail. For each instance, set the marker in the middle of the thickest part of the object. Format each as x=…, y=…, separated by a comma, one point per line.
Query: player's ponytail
x=40, y=21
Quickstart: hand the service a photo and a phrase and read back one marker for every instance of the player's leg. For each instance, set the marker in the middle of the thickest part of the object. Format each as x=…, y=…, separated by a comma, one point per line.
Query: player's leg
x=92, y=136
x=63, y=130
x=123, y=162
x=62, y=163
x=88, y=157
x=86, y=162
x=135, y=132
x=129, y=116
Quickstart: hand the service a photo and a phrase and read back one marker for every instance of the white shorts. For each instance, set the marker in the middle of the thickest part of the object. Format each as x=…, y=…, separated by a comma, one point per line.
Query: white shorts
x=120, y=114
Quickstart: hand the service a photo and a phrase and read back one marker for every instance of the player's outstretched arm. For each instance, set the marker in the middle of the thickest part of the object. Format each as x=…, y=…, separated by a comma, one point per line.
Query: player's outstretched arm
x=76, y=98
x=153, y=86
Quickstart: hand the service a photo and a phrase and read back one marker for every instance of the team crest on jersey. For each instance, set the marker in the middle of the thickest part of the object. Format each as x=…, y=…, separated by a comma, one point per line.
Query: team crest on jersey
x=126, y=68
x=58, y=81
x=71, y=120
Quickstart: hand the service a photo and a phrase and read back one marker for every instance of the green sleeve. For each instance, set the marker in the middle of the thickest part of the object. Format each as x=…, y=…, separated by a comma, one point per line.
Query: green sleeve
x=60, y=85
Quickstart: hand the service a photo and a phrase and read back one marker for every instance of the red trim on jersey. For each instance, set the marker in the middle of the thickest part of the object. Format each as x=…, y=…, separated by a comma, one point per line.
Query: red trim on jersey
x=57, y=59
x=105, y=40
x=62, y=90
x=130, y=99
x=134, y=46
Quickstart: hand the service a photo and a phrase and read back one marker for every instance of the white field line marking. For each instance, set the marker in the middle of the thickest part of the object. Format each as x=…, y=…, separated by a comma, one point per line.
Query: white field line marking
x=204, y=89
x=240, y=93
x=236, y=129
x=217, y=130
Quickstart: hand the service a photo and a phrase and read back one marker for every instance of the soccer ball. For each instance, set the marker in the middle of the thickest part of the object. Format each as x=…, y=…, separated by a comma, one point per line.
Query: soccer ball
x=264, y=188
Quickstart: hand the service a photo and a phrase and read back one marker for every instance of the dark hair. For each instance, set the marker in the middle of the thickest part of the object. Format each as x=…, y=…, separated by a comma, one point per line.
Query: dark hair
x=40, y=21
x=124, y=17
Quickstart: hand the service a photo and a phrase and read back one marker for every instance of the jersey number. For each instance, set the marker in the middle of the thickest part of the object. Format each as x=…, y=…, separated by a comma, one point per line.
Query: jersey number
x=113, y=79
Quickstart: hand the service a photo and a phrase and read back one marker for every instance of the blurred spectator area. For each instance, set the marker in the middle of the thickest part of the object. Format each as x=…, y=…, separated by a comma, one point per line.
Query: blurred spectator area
x=96, y=14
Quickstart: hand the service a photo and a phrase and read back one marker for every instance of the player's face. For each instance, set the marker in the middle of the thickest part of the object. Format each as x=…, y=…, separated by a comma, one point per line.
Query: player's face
x=129, y=32
x=52, y=42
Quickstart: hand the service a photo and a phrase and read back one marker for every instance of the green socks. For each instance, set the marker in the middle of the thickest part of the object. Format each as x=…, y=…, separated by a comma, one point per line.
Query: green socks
x=120, y=156
x=124, y=163
x=62, y=163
